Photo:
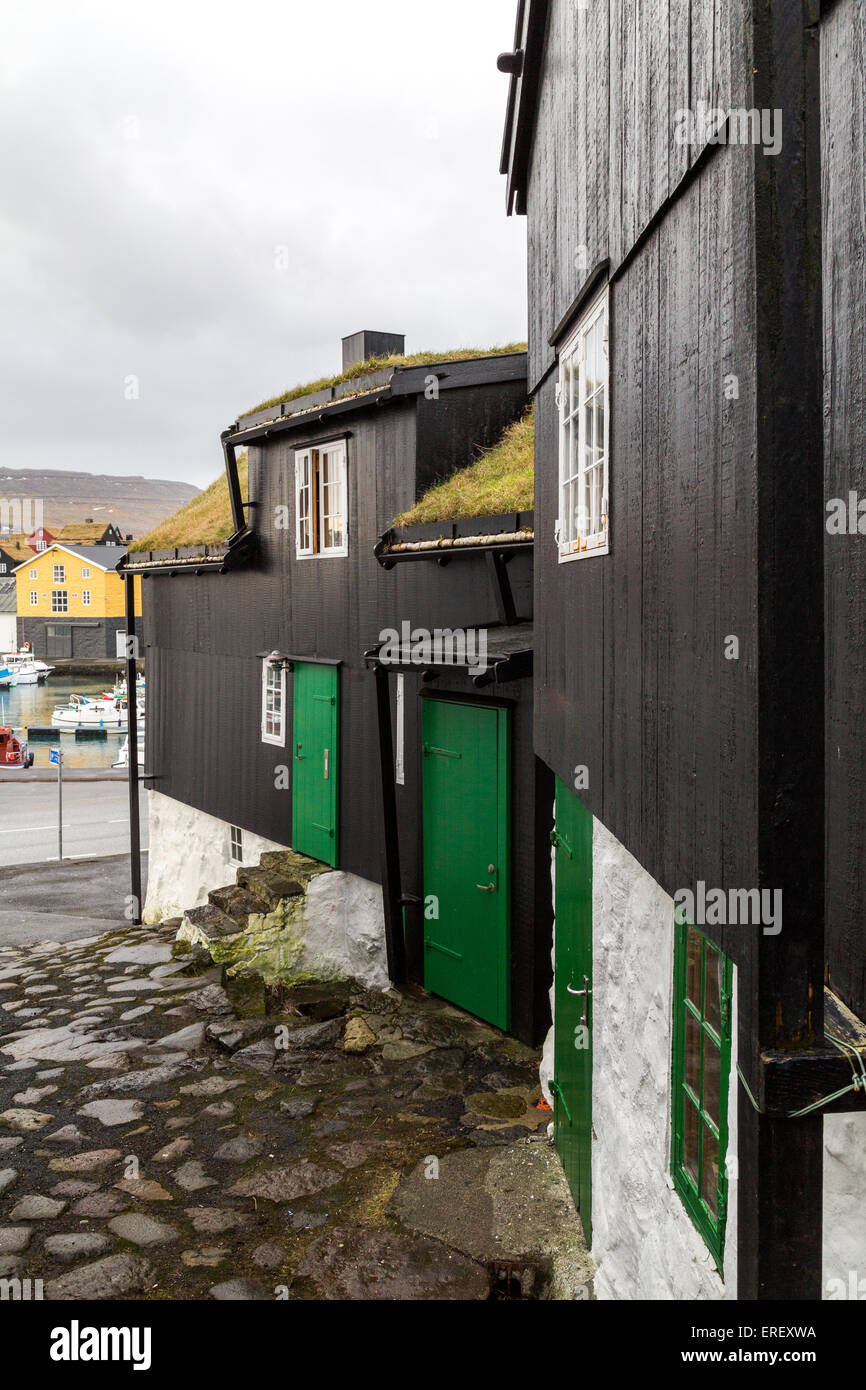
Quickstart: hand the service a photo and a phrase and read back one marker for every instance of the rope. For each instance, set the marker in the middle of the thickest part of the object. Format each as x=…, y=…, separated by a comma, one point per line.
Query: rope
x=858, y=1082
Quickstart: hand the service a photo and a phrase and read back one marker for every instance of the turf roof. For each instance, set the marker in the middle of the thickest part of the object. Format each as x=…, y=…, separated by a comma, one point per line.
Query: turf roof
x=205, y=520
x=501, y=480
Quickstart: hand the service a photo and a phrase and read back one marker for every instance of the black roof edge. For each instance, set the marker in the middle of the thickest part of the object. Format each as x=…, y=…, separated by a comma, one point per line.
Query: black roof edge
x=485, y=528
x=401, y=381
x=240, y=552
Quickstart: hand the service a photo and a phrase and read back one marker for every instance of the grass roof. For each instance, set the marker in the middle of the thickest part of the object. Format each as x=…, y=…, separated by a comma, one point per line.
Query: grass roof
x=381, y=364
x=501, y=480
x=205, y=520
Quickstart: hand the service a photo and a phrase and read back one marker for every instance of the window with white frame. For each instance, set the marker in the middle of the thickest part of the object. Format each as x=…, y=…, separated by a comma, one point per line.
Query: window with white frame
x=321, y=501
x=59, y=574
x=583, y=395
x=3, y=567
x=34, y=598
x=33, y=574
x=85, y=573
x=274, y=703
x=59, y=601
x=236, y=844
x=85, y=597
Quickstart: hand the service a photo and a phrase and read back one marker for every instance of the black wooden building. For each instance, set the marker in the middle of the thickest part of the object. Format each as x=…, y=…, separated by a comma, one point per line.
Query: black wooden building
x=277, y=704
x=687, y=168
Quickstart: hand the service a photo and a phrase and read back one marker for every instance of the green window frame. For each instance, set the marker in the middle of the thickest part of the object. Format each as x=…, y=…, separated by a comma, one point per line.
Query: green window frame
x=703, y=988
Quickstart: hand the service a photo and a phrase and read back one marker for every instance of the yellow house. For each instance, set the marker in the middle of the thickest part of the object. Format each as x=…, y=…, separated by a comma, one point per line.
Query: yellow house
x=71, y=601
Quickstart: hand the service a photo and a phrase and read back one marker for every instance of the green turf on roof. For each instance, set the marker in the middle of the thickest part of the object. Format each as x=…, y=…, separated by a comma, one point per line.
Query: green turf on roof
x=381, y=364
x=205, y=520
x=502, y=480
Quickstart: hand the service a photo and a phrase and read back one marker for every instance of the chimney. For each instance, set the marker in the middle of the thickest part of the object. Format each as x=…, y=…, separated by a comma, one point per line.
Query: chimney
x=359, y=346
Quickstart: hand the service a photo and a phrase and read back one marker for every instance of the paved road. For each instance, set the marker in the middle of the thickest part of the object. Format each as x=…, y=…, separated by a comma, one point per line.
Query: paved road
x=61, y=902
x=95, y=821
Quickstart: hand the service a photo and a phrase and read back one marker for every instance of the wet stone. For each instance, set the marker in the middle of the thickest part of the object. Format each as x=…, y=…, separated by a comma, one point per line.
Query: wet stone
x=69, y=1248
x=26, y=1120
x=100, y=1205
x=93, y=1161
x=269, y=1256
x=240, y=1149
x=36, y=1208
x=14, y=1239
x=110, y=1277
x=213, y=1221
x=140, y=1229
x=192, y=1177
x=73, y=1187
x=240, y=1290
x=298, y=1108
x=145, y=1189
x=285, y=1184
x=8, y=1176
x=113, y=1112
x=353, y=1263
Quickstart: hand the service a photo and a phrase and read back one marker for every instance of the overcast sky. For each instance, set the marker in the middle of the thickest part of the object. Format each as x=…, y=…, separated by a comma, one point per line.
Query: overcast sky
x=207, y=197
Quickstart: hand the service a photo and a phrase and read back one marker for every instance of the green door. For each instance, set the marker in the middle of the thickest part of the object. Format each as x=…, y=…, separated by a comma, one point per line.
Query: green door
x=466, y=807
x=316, y=763
x=572, y=1082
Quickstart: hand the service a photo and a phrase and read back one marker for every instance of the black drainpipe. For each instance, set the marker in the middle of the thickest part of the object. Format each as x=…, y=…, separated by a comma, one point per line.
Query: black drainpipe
x=395, y=942
x=237, y=501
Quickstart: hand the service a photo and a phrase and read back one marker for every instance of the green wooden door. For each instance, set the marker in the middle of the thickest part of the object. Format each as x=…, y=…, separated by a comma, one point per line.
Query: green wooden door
x=466, y=810
x=572, y=1082
x=316, y=762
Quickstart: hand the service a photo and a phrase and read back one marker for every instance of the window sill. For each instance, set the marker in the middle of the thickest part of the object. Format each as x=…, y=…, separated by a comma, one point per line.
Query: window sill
x=588, y=553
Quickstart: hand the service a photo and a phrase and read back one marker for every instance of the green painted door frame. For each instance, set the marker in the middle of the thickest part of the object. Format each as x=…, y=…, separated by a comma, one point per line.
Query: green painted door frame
x=466, y=820
x=316, y=762
x=572, y=1080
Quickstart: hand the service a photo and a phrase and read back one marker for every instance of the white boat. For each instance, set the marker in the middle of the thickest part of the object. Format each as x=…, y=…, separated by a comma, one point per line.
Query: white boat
x=25, y=668
x=123, y=755
x=103, y=712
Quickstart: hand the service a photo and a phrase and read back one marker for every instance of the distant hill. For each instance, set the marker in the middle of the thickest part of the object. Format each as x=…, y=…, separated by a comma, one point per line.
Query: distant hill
x=136, y=505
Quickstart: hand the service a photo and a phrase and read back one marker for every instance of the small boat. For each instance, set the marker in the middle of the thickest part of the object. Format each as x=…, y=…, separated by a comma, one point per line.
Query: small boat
x=123, y=755
x=111, y=713
x=25, y=668
x=14, y=753
x=7, y=678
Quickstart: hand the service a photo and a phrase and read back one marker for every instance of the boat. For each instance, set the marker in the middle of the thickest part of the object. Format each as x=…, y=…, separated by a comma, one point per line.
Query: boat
x=14, y=753
x=24, y=667
x=123, y=755
x=102, y=712
x=7, y=678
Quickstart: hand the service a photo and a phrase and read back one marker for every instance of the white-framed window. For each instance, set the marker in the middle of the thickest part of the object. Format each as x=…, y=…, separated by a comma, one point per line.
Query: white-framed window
x=236, y=843
x=85, y=597
x=33, y=574
x=85, y=573
x=321, y=501
x=41, y=545
x=583, y=396
x=2, y=566
x=59, y=601
x=274, y=703
x=59, y=574
x=34, y=598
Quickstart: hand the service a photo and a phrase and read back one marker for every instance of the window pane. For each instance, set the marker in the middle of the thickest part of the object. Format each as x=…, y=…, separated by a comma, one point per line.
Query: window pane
x=691, y=1139
x=693, y=968
x=710, y=1173
x=712, y=1079
x=712, y=1002
x=693, y=1052
x=589, y=425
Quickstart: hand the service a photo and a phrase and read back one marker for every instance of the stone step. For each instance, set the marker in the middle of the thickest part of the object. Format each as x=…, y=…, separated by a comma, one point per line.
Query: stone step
x=235, y=902
x=202, y=925
x=295, y=866
x=269, y=886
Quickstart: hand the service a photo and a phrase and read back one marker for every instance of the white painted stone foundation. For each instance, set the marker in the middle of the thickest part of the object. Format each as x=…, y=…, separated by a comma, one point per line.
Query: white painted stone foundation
x=645, y=1245
x=844, y=1274
x=342, y=922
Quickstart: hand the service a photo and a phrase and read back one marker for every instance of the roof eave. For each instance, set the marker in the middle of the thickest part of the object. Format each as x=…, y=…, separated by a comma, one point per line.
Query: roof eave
x=522, y=108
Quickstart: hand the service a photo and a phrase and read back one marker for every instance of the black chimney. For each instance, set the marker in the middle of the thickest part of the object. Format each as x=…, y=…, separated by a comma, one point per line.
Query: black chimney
x=359, y=346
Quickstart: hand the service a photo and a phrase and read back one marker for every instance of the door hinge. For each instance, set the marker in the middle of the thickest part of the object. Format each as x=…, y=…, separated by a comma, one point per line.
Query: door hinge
x=560, y=842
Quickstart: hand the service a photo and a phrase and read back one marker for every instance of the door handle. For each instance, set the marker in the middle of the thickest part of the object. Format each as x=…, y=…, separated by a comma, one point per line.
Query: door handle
x=486, y=887
x=582, y=994
x=298, y=758
x=326, y=764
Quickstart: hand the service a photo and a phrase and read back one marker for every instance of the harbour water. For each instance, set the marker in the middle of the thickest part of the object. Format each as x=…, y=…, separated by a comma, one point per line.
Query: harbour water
x=24, y=705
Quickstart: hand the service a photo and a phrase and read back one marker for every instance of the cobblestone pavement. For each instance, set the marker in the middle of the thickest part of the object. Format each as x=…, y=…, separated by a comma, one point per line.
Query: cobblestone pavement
x=162, y=1138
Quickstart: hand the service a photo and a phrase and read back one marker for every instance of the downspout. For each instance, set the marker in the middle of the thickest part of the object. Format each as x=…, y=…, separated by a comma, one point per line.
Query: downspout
x=237, y=502
x=395, y=943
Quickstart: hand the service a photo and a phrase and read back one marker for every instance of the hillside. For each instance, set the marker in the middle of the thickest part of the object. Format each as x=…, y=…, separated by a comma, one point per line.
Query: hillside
x=134, y=504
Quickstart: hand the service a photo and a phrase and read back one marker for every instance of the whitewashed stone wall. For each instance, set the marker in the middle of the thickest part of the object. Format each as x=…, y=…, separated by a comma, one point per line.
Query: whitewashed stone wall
x=644, y=1243
x=342, y=923
x=845, y=1206
x=190, y=854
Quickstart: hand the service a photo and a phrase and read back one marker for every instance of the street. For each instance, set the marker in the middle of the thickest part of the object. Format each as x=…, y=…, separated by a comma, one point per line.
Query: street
x=95, y=821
